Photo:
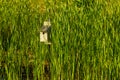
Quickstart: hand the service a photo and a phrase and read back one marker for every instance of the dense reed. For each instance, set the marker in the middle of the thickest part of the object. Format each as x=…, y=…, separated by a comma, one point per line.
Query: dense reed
x=85, y=40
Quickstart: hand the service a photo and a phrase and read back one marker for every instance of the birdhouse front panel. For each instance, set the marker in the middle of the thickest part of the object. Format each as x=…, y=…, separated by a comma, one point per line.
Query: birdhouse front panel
x=43, y=37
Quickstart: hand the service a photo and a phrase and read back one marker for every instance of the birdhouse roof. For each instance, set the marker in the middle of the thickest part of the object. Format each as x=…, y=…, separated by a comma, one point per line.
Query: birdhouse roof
x=45, y=29
x=46, y=26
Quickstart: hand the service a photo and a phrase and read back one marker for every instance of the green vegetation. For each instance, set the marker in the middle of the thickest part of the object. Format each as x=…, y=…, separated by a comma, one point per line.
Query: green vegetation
x=85, y=39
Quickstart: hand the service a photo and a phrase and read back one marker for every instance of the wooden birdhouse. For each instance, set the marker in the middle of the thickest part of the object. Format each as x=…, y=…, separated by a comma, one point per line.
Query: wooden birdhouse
x=45, y=32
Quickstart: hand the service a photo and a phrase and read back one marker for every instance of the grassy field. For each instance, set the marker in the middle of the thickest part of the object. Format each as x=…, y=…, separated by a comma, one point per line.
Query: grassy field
x=85, y=40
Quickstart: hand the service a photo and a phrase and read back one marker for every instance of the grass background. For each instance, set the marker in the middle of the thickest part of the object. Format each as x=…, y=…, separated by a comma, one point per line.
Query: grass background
x=85, y=39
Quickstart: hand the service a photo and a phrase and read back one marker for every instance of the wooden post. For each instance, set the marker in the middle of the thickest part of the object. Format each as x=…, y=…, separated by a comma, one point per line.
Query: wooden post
x=45, y=38
x=46, y=66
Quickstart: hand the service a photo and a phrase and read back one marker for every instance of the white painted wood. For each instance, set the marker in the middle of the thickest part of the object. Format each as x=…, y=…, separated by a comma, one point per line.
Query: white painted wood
x=47, y=23
x=43, y=37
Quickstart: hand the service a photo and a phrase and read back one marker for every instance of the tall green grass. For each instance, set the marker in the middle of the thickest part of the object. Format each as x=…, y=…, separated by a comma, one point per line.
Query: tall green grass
x=85, y=39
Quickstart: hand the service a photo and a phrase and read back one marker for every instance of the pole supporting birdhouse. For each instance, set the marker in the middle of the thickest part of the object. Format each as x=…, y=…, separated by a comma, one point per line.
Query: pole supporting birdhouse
x=45, y=37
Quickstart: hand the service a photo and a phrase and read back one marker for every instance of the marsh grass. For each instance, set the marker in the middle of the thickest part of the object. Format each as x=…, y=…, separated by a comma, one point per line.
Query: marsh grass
x=85, y=40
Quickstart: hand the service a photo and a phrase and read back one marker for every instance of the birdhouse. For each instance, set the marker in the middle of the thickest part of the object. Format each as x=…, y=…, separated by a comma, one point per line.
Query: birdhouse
x=45, y=32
